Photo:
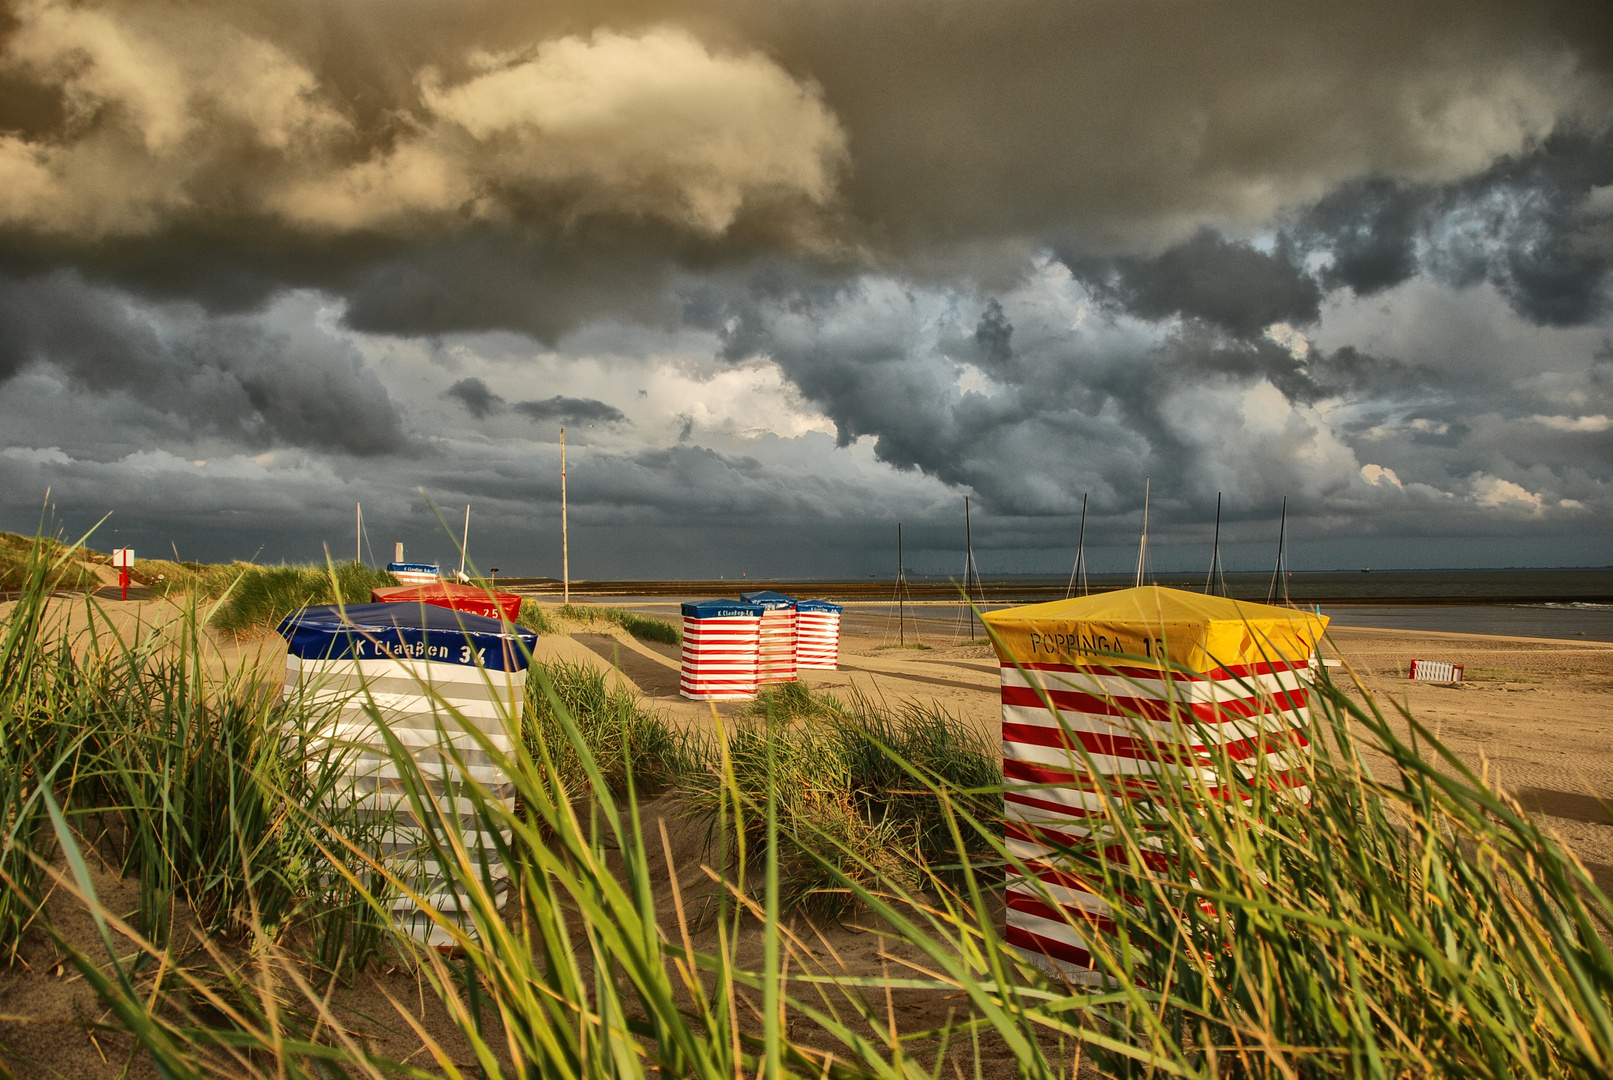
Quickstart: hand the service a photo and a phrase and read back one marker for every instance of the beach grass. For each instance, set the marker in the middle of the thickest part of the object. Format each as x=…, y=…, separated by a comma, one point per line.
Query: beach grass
x=178, y=771
x=255, y=598
x=859, y=790
x=535, y=618
x=64, y=566
x=643, y=627
x=1417, y=922
x=621, y=735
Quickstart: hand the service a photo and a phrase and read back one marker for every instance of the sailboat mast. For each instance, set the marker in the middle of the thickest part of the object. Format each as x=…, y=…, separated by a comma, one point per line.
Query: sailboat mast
x=901, y=588
x=464, y=542
x=1215, y=549
x=1142, y=546
x=1080, y=553
x=968, y=565
x=358, y=533
x=1277, y=571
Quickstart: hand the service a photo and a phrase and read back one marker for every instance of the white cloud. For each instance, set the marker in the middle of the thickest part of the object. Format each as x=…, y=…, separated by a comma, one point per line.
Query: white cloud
x=653, y=124
x=1378, y=476
x=45, y=455
x=1289, y=338
x=1499, y=494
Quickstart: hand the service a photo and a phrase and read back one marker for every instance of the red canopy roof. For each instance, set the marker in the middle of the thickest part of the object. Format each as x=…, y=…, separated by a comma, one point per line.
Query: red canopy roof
x=489, y=602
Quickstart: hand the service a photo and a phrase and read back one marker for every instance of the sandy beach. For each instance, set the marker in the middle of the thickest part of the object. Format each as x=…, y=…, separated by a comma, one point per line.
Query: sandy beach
x=1532, y=713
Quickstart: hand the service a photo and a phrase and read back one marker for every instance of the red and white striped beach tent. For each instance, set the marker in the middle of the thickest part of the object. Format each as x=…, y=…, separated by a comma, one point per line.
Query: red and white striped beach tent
x=720, y=640
x=817, y=634
x=776, y=652
x=1239, y=669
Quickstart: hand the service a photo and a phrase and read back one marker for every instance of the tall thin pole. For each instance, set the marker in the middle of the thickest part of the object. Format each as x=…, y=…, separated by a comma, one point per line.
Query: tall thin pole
x=358, y=533
x=1080, y=554
x=1142, y=546
x=565, y=539
x=968, y=564
x=901, y=583
x=1215, y=549
x=1277, y=571
x=464, y=543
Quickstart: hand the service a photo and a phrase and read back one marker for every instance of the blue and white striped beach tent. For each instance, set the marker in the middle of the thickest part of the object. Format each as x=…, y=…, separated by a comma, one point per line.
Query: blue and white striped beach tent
x=719, y=650
x=411, y=663
x=817, y=634
x=776, y=651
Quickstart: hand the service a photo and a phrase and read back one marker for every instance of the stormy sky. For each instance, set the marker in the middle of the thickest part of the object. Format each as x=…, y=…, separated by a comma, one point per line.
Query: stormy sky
x=789, y=274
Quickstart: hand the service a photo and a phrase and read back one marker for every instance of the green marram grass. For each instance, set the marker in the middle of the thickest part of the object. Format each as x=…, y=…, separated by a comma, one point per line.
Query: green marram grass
x=259, y=597
x=181, y=777
x=620, y=733
x=644, y=627
x=863, y=773
x=1413, y=923
x=535, y=618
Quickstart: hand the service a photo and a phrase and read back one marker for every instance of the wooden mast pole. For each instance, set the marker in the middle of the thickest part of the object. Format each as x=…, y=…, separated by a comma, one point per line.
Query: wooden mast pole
x=565, y=539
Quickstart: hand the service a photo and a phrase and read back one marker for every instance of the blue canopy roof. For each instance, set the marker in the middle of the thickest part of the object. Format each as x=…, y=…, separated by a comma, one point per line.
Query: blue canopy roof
x=818, y=605
x=722, y=609
x=768, y=599
x=405, y=632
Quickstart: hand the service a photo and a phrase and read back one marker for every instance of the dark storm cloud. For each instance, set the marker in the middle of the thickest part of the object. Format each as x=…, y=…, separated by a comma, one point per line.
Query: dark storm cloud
x=394, y=154
x=1527, y=225
x=861, y=194
x=1227, y=284
x=570, y=410
x=251, y=378
x=1304, y=379
x=478, y=400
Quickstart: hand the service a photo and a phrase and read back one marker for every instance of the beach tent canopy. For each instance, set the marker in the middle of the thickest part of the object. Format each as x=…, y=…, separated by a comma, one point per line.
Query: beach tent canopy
x=817, y=634
x=449, y=687
x=1154, y=626
x=405, y=632
x=767, y=598
x=721, y=609
x=720, y=650
x=486, y=602
x=775, y=656
x=1082, y=695
x=414, y=573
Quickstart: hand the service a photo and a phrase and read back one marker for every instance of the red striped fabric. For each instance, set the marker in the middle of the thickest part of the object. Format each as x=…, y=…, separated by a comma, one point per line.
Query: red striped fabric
x=719, y=658
x=817, y=639
x=776, y=648
x=1115, y=730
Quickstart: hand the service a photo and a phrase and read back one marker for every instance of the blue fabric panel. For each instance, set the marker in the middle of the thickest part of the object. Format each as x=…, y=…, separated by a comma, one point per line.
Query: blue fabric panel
x=818, y=605
x=721, y=609
x=405, y=632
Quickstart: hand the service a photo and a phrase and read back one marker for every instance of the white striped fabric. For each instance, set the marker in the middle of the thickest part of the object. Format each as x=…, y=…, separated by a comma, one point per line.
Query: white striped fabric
x=414, y=697
x=817, y=639
x=1124, y=721
x=1435, y=671
x=720, y=657
x=415, y=577
x=775, y=660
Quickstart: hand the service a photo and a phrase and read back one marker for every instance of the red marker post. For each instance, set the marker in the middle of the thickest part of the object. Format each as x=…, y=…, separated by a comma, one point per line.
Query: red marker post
x=123, y=559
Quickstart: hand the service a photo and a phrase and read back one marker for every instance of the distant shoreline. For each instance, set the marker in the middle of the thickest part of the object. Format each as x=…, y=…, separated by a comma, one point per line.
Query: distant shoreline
x=1465, y=588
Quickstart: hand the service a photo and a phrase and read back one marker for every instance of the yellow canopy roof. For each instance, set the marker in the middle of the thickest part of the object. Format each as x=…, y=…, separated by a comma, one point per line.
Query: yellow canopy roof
x=1152, y=626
